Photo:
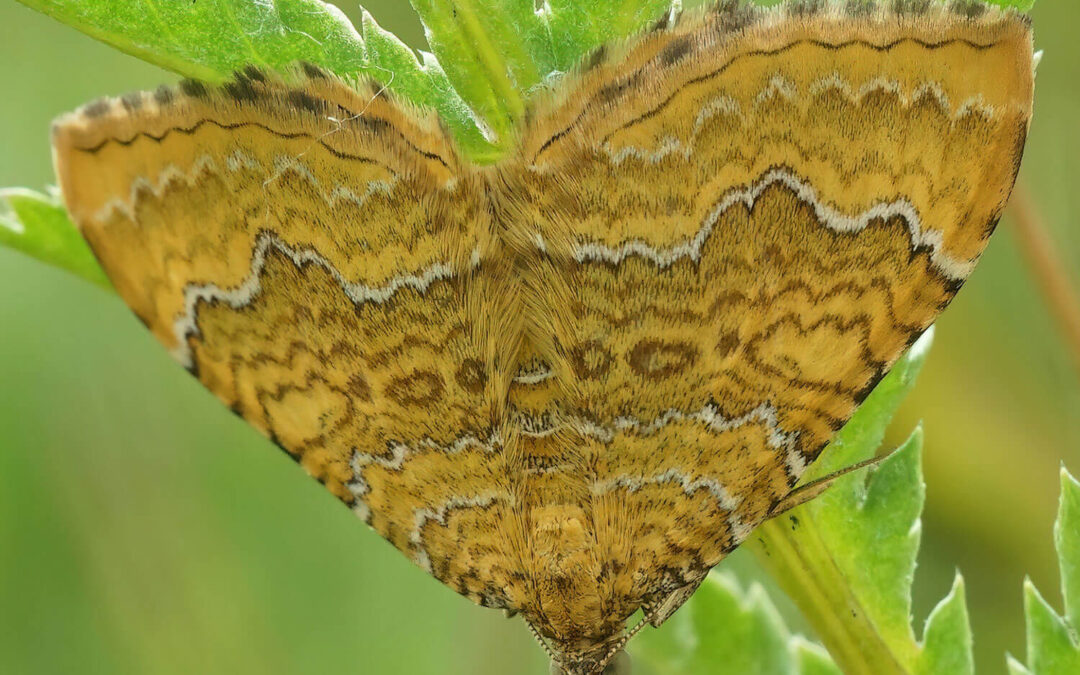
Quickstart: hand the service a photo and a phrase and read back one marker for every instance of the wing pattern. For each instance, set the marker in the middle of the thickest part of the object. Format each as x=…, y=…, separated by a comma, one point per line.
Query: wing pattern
x=570, y=383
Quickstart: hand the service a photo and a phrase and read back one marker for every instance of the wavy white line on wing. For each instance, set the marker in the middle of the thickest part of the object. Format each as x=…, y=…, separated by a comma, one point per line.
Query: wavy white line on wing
x=186, y=324
x=921, y=237
x=709, y=415
x=782, y=87
x=171, y=174
x=399, y=452
x=422, y=516
x=670, y=144
x=689, y=484
x=764, y=414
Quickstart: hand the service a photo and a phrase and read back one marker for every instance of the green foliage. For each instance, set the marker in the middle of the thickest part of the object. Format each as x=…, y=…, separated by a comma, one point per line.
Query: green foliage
x=725, y=630
x=847, y=558
x=1021, y=5
x=1053, y=647
x=497, y=51
x=491, y=53
x=38, y=225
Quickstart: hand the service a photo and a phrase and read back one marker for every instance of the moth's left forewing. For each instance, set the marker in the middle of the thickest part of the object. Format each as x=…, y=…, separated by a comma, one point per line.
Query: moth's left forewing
x=216, y=162
x=759, y=211
x=315, y=253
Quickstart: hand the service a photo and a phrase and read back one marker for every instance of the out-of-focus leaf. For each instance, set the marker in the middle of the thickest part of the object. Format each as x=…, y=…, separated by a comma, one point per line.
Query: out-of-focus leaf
x=37, y=224
x=726, y=630
x=847, y=558
x=947, y=645
x=496, y=51
x=1053, y=647
x=1022, y=5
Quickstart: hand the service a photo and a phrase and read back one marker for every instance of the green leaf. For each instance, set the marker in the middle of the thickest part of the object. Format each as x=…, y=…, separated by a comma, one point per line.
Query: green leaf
x=1022, y=5
x=484, y=46
x=1053, y=647
x=723, y=629
x=577, y=27
x=38, y=225
x=847, y=558
x=495, y=52
x=947, y=643
x=813, y=659
x=210, y=39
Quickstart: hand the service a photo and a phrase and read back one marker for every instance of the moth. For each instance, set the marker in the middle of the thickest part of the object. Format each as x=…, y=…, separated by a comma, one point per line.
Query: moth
x=569, y=383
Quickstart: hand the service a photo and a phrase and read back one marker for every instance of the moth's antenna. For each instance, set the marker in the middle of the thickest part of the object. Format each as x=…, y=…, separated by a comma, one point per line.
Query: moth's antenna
x=540, y=640
x=617, y=647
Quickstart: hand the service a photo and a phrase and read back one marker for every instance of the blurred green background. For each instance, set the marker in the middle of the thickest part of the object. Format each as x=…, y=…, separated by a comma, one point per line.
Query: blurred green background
x=146, y=530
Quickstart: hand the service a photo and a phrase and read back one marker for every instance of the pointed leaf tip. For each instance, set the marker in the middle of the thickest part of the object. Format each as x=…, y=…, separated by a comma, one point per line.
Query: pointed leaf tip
x=1053, y=645
x=38, y=225
x=1067, y=542
x=947, y=646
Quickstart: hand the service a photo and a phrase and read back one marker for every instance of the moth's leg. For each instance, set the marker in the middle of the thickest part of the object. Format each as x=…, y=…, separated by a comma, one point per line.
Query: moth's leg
x=805, y=493
x=674, y=600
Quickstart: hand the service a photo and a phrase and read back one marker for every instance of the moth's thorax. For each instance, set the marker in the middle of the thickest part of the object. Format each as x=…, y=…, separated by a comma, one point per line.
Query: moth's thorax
x=574, y=589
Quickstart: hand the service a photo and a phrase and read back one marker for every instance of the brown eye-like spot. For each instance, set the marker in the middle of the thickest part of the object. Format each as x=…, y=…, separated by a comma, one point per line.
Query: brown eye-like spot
x=132, y=101
x=860, y=8
x=911, y=7
x=662, y=23
x=253, y=73
x=772, y=254
x=969, y=9
x=591, y=361
x=313, y=71
x=242, y=91
x=610, y=93
x=423, y=387
x=656, y=359
x=359, y=388
x=471, y=376
x=728, y=343
x=594, y=59
x=805, y=8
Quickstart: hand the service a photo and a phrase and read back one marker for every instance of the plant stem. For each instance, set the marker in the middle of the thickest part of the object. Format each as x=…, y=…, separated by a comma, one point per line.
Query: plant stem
x=797, y=558
x=1046, y=267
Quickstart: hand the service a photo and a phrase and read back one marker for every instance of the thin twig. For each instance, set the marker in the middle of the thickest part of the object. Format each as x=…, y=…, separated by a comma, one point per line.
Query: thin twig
x=1046, y=267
